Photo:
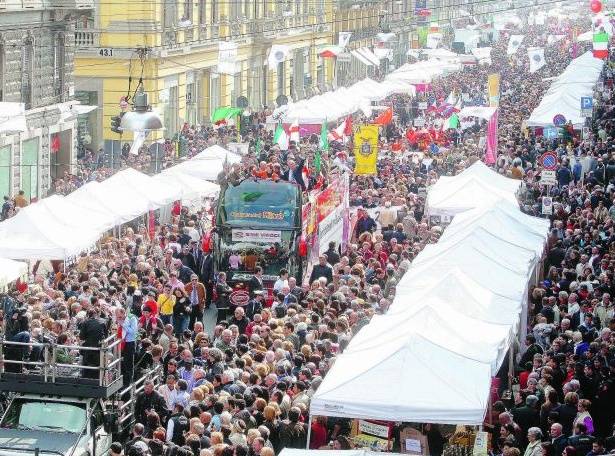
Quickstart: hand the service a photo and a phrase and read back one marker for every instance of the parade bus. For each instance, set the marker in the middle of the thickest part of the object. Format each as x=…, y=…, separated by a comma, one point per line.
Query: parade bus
x=258, y=223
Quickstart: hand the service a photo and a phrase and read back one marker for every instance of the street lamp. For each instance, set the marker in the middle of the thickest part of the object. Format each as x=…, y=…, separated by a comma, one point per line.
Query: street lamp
x=141, y=118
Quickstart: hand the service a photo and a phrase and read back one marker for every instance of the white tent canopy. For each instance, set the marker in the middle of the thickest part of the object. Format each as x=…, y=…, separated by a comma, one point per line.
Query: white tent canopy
x=461, y=292
x=353, y=452
x=11, y=270
x=408, y=379
x=191, y=188
x=438, y=322
x=458, y=196
x=481, y=171
x=135, y=184
x=564, y=95
x=216, y=152
x=33, y=234
x=341, y=102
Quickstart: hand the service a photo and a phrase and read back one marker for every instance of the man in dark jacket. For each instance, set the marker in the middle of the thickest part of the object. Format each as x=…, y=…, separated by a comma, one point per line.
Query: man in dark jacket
x=527, y=416
x=294, y=174
x=293, y=434
x=147, y=401
x=558, y=439
x=92, y=333
x=322, y=269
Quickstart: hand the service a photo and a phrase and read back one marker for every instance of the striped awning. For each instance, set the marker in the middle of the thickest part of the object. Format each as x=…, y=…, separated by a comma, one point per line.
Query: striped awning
x=366, y=56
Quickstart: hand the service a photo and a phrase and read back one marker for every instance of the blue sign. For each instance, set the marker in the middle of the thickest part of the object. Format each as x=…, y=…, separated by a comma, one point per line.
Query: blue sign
x=550, y=133
x=587, y=103
x=559, y=120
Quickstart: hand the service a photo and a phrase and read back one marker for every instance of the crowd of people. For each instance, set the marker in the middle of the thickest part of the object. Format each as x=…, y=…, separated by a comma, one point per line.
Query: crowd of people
x=243, y=387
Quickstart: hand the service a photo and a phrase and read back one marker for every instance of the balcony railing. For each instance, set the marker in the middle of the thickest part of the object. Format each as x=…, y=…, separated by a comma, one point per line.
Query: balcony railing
x=86, y=39
x=16, y=5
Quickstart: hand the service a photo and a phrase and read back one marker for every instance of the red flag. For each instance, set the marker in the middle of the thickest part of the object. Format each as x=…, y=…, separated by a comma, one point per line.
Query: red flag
x=411, y=136
x=385, y=117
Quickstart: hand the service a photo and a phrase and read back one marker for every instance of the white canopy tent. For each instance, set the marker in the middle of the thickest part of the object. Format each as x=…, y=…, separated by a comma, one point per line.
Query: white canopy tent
x=154, y=194
x=407, y=379
x=353, y=452
x=68, y=212
x=32, y=234
x=457, y=290
x=341, y=102
x=192, y=189
x=564, y=95
x=481, y=171
x=11, y=270
x=516, y=257
x=449, y=199
x=113, y=200
x=216, y=152
x=437, y=321
x=495, y=220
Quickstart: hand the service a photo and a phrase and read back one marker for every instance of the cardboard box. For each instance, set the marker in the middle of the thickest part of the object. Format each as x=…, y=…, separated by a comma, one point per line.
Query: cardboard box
x=412, y=441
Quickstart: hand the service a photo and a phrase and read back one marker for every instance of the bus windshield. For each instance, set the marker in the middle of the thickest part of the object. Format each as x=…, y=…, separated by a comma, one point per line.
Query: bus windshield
x=260, y=203
x=241, y=250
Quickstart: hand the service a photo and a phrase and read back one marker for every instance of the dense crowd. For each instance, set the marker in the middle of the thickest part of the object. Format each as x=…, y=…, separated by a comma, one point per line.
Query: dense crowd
x=243, y=387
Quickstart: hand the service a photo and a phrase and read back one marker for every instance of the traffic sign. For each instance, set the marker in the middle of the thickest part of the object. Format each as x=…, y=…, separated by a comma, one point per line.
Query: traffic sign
x=547, y=205
x=547, y=177
x=549, y=161
x=587, y=106
x=559, y=120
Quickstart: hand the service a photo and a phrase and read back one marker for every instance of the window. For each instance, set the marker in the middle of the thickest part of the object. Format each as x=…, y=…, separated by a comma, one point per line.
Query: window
x=27, y=70
x=29, y=168
x=5, y=171
x=58, y=66
x=34, y=414
x=234, y=10
x=2, y=68
x=188, y=10
x=214, y=11
x=170, y=13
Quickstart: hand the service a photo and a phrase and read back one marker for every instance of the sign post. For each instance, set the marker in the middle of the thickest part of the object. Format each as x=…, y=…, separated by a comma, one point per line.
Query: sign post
x=587, y=106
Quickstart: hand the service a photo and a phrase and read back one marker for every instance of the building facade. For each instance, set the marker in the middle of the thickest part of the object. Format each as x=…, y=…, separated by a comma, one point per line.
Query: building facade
x=36, y=69
x=174, y=48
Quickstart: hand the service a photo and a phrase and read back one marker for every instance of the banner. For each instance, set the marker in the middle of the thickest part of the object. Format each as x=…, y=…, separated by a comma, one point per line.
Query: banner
x=227, y=57
x=343, y=38
x=514, y=44
x=366, y=149
x=537, y=58
x=492, y=139
x=493, y=87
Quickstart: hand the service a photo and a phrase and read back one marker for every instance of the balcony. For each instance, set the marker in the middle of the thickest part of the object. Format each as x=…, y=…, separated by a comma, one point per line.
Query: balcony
x=86, y=38
x=18, y=5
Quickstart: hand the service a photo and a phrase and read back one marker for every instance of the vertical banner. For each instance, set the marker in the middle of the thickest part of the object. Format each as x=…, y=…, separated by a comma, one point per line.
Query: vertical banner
x=366, y=149
x=227, y=57
x=493, y=87
x=492, y=139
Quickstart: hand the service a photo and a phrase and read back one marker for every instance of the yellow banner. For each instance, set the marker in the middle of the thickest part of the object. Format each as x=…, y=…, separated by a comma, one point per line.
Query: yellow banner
x=493, y=84
x=366, y=149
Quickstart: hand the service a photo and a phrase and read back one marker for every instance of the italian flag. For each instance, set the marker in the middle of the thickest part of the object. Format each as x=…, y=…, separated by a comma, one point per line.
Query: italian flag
x=601, y=45
x=452, y=122
x=280, y=137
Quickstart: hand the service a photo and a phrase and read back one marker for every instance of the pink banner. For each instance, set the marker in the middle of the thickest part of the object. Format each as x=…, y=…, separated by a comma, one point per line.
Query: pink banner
x=492, y=139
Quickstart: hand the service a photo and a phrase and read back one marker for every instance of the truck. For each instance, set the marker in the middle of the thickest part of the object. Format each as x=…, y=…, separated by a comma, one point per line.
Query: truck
x=54, y=410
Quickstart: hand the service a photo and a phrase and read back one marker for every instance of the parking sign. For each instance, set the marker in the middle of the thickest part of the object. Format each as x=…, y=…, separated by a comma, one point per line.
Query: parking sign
x=587, y=106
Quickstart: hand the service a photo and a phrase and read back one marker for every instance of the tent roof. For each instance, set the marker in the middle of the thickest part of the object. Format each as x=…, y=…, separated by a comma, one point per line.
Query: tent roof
x=437, y=321
x=11, y=270
x=409, y=379
x=483, y=173
x=218, y=153
x=457, y=196
x=155, y=194
x=509, y=254
x=564, y=95
x=461, y=291
x=191, y=187
x=33, y=234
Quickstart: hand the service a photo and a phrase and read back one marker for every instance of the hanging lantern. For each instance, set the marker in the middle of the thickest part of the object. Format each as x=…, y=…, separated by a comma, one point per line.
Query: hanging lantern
x=595, y=6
